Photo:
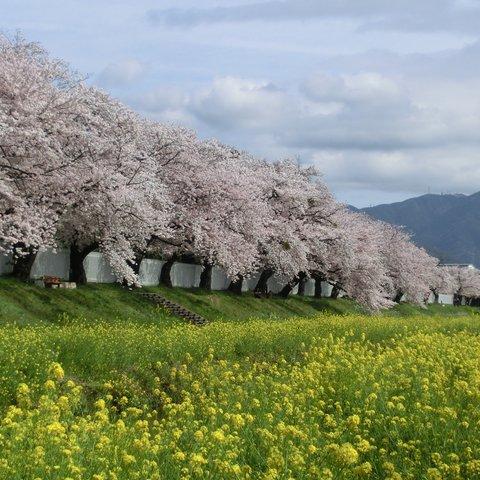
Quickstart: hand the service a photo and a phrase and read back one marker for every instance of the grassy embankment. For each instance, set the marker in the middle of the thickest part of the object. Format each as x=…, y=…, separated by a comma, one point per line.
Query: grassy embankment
x=28, y=304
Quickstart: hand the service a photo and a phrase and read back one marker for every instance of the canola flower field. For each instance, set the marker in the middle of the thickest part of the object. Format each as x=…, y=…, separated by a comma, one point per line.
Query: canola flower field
x=330, y=397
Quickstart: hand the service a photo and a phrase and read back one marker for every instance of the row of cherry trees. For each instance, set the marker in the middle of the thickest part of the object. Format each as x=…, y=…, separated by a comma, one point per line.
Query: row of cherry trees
x=463, y=282
x=80, y=170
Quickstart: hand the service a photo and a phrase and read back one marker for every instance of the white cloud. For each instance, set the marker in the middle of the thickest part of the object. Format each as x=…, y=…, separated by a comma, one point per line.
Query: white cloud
x=367, y=132
x=371, y=88
x=417, y=171
x=230, y=103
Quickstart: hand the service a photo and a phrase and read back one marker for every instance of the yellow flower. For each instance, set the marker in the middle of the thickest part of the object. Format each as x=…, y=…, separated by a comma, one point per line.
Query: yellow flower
x=326, y=474
x=271, y=474
x=179, y=456
x=62, y=402
x=389, y=467
x=353, y=421
x=102, y=442
x=56, y=428
x=23, y=389
x=473, y=467
x=50, y=385
x=39, y=452
x=23, y=397
x=197, y=459
x=237, y=420
x=218, y=435
x=195, y=386
x=56, y=371
x=236, y=469
x=363, y=470
x=434, y=474
x=363, y=446
x=128, y=459
x=345, y=454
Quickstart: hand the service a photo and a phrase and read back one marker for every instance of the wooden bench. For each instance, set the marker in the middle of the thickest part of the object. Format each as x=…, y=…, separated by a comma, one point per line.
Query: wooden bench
x=51, y=281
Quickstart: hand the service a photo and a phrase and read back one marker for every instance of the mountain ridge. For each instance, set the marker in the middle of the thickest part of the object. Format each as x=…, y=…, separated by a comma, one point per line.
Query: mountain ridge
x=446, y=225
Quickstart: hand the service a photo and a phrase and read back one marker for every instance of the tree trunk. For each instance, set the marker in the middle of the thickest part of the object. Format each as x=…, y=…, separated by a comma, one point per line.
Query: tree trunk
x=302, y=281
x=236, y=285
x=206, y=277
x=287, y=289
x=318, y=285
x=77, y=269
x=166, y=272
x=436, y=297
x=261, y=289
x=335, y=292
x=457, y=299
x=398, y=297
x=22, y=265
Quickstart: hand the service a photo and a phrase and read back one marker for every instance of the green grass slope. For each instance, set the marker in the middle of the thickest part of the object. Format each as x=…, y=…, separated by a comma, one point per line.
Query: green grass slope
x=230, y=307
x=27, y=304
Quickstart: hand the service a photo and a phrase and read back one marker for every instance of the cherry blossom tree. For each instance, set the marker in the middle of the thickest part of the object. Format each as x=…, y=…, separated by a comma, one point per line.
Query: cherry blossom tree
x=39, y=100
x=410, y=268
x=329, y=242
x=443, y=281
x=465, y=283
x=116, y=200
x=218, y=213
x=374, y=263
x=76, y=166
x=300, y=209
x=354, y=264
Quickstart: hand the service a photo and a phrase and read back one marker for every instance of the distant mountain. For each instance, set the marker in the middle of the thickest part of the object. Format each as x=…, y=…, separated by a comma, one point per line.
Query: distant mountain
x=447, y=226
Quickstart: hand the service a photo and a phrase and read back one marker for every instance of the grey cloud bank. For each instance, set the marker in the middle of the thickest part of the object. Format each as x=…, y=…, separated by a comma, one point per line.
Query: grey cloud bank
x=426, y=15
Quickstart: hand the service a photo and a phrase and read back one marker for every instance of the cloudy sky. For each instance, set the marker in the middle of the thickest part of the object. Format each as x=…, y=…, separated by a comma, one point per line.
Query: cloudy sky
x=382, y=96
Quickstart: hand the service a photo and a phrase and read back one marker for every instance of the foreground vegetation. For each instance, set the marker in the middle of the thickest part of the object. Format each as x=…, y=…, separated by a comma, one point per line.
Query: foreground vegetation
x=322, y=397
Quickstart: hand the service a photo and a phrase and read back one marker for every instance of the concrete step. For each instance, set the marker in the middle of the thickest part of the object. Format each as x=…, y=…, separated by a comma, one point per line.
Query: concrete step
x=175, y=309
